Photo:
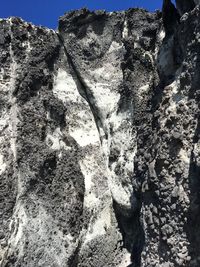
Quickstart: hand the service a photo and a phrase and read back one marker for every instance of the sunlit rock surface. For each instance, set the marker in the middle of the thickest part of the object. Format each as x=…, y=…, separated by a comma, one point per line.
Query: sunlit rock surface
x=100, y=150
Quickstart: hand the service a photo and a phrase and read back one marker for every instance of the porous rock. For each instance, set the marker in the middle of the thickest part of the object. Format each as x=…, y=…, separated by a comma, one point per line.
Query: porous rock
x=100, y=149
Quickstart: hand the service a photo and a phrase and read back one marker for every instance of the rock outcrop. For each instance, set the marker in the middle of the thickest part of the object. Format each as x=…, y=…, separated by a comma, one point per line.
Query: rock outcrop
x=100, y=139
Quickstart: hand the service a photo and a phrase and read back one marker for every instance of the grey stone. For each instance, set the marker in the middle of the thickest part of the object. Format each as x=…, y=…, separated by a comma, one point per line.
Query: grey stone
x=99, y=144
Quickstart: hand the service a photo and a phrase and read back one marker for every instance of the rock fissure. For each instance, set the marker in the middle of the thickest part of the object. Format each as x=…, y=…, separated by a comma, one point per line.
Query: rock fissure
x=84, y=91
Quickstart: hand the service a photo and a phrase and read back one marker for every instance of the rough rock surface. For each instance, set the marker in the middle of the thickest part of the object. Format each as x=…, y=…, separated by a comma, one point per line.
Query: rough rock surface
x=100, y=139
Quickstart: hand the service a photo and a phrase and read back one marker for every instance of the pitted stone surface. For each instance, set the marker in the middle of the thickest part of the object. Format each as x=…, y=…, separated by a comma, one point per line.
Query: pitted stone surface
x=100, y=150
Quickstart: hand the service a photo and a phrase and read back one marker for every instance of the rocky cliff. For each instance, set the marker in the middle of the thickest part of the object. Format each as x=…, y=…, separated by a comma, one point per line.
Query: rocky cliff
x=100, y=139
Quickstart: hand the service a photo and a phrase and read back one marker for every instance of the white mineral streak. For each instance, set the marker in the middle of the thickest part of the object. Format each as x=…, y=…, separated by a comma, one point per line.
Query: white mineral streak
x=40, y=227
x=13, y=121
x=27, y=45
x=115, y=128
x=160, y=38
x=161, y=35
x=82, y=127
x=2, y=164
x=55, y=140
x=19, y=223
x=175, y=96
x=90, y=170
x=65, y=87
x=42, y=224
x=80, y=120
x=9, y=122
x=125, y=30
x=100, y=225
x=143, y=89
x=104, y=96
x=183, y=155
x=9, y=115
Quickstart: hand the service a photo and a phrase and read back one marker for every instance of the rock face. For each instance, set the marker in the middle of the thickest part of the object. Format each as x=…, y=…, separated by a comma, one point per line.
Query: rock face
x=100, y=140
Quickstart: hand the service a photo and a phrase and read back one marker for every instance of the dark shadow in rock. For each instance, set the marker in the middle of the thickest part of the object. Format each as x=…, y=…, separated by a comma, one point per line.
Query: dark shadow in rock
x=193, y=216
x=170, y=17
x=132, y=233
x=98, y=26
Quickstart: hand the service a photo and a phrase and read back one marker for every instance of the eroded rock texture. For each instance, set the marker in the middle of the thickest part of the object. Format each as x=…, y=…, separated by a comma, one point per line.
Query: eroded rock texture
x=100, y=150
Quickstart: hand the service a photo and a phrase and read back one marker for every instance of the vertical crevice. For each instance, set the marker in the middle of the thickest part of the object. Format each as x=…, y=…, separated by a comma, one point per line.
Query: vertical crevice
x=193, y=218
x=83, y=89
x=132, y=233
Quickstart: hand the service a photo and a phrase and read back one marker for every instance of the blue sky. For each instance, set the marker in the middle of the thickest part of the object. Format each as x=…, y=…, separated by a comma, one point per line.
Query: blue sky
x=47, y=12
